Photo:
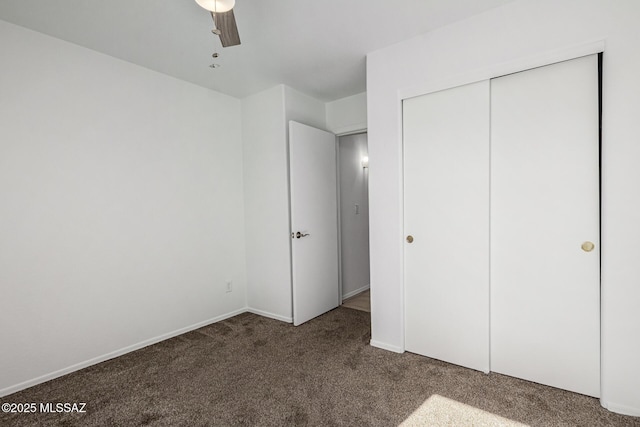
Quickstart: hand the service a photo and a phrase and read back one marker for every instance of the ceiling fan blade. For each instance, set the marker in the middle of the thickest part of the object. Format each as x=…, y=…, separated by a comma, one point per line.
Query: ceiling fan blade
x=226, y=23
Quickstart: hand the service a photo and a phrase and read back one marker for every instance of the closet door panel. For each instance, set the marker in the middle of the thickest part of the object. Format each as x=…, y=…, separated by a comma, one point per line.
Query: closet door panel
x=446, y=197
x=545, y=288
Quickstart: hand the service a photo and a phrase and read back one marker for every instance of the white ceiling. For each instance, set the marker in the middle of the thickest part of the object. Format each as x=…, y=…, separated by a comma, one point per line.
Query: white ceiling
x=317, y=47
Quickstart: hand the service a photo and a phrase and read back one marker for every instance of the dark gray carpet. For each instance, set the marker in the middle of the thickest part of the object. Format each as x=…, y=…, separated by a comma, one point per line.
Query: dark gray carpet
x=249, y=370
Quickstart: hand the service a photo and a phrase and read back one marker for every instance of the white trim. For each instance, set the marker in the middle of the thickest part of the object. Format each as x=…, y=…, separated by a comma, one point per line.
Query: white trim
x=386, y=346
x=356, y=292
x=339, y=217
x=620, y=409
x=99, y=359
x=270, y=315
x=350, y=129
x=400, y=201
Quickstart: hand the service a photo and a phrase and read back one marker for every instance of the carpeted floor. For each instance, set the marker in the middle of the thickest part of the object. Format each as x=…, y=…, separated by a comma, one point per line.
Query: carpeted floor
x=253, y=371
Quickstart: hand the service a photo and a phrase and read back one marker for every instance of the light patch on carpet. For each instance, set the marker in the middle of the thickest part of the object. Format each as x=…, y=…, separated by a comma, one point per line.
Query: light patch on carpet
x=440, y=411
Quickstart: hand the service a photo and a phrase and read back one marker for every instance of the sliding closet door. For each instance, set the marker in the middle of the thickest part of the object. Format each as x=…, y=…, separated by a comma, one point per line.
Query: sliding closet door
x=545, y=285
x=446, y=196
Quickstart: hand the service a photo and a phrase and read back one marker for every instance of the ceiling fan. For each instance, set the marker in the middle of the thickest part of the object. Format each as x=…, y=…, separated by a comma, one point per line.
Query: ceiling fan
x=223, y=19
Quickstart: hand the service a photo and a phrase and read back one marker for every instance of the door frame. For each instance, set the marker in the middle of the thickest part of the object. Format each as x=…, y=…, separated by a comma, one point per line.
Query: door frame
x=338, y=192
x=353, y=131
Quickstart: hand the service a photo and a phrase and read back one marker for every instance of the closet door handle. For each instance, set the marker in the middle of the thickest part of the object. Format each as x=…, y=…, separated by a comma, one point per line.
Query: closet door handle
x=588, y=246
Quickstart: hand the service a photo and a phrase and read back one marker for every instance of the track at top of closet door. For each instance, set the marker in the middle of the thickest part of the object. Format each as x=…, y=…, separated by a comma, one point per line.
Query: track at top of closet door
x=545, y=289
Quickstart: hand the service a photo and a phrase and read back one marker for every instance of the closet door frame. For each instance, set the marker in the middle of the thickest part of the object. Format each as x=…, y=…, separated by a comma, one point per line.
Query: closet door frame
x=492, y=71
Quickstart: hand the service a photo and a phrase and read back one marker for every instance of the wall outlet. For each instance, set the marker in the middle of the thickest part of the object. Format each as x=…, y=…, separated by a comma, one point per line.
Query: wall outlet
x=229, y=286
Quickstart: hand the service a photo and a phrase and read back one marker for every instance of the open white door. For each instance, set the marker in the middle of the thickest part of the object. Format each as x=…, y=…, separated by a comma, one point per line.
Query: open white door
x=314, y=221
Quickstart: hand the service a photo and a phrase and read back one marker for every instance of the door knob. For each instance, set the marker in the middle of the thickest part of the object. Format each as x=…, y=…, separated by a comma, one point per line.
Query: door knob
x=410, y=238
x=588, y=246
x=299, y=235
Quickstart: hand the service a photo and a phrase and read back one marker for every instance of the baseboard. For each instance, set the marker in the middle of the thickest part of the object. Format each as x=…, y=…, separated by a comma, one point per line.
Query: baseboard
x=620, y=409
x=386, y=346
x=99, y=359
x=356, y=292
x=270, y=315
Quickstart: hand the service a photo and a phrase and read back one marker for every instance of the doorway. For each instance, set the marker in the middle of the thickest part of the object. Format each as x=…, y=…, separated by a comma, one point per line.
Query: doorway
x=353, y=183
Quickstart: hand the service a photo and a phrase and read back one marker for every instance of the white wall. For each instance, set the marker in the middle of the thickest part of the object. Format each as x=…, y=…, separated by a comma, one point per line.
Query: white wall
x=266, y=199
x=354, y=227
x=348, y=114
x=121, y=214
x=520, y=35
x=265, y=118
x=304, y=109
